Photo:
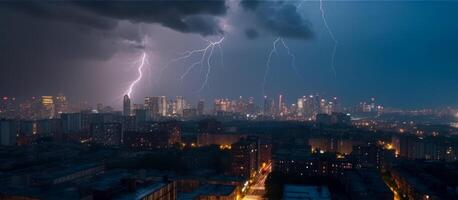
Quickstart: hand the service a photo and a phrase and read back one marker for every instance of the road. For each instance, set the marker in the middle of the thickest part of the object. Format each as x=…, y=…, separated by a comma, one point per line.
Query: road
x=256, y=189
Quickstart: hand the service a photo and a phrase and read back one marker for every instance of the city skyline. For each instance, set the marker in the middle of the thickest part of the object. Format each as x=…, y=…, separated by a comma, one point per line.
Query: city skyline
x=63, y=104
x=90, y=53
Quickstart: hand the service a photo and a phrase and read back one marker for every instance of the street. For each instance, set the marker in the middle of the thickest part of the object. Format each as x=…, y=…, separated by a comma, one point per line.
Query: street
x=256, y=188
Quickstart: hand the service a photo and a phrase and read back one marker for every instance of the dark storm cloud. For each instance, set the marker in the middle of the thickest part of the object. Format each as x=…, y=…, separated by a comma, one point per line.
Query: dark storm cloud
x=182, y=16
x=280, y=18
x=251, y=33
x=204, y=25
x=97, y=29
x=62, y=12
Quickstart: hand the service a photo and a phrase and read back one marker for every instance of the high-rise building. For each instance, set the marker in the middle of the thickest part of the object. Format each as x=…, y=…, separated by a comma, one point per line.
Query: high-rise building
x=61, y=105
x=163, y=106
x=171, y=108
x=266, y=106
x=47, y=107
x=152, y=107
x=25, y=109
x=336, y=107
x=200, y=107
x=240, y=105
x=126, y=106
x=222, y=105
x=244, y=156
x=180, y=105
x=372, y=105
x=250, y=108
x=8, y=108
x=300, y=106
x=281, y=105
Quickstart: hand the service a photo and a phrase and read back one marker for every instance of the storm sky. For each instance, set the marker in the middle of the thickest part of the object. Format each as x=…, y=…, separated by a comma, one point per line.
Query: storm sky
x=404, y=53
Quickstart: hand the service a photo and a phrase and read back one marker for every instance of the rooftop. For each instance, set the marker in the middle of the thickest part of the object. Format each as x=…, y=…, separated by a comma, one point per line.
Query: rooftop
x=291, y=192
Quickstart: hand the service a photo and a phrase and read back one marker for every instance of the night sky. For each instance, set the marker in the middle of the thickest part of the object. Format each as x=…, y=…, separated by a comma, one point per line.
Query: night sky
x=404, y=53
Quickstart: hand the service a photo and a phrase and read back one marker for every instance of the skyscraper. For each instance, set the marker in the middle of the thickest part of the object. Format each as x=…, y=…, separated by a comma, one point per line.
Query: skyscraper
x=61, y=104
x=200, y=107
x=300, y=106
x=25, y=109
x=336, y=107
x=126, y=106
x=8, y=108
x=250, y=109
x=266, y=106
x=163, y=106
x=152, y=107
x=240, y=106
x=47, y=107
x=180, y=105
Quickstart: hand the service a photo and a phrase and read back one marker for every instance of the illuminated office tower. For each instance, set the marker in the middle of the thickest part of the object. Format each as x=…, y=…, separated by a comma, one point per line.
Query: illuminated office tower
x=300, y=106
x=47, y=107
x=126, y=106
x=221, y=105
x=311, y=106
x=324, y=106
x=281, y=105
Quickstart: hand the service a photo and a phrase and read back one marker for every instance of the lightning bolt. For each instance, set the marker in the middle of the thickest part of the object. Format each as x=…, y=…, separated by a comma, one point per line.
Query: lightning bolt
x=212, y=46
x=331, y=34
x=269, y=58
x=205, y=54
x=140, y=74
x=293, y=58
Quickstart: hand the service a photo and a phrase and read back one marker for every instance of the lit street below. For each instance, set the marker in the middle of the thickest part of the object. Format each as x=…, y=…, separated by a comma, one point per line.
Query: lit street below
x=257, y=190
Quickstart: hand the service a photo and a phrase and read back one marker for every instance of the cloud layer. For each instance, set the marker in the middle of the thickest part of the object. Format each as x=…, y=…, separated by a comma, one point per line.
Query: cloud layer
x=279, y=18
x=182, y=16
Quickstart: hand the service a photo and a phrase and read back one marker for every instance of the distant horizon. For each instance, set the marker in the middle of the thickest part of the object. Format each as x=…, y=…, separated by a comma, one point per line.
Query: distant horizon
x=258, y=101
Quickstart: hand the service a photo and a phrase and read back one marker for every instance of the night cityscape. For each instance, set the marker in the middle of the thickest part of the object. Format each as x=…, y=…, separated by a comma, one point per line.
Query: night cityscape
x=228, y=100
